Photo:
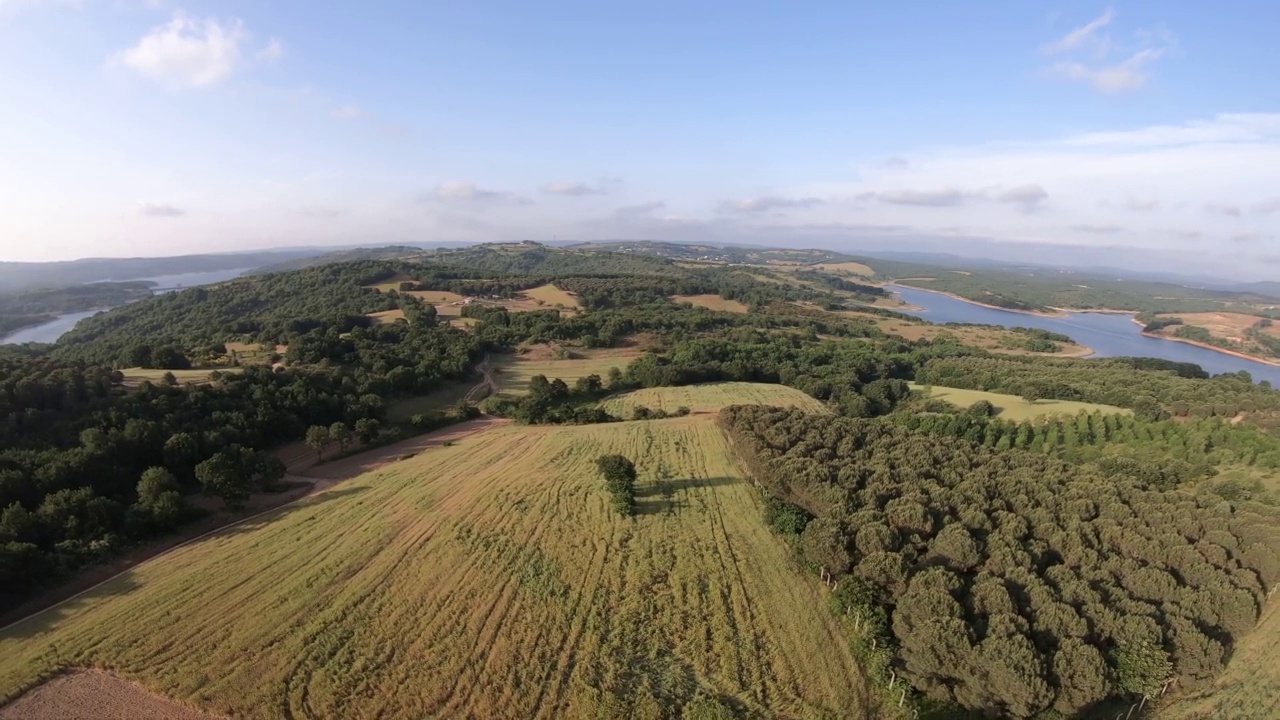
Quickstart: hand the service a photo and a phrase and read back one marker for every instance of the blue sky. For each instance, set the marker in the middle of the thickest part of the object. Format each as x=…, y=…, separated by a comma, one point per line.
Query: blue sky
x=139, y=127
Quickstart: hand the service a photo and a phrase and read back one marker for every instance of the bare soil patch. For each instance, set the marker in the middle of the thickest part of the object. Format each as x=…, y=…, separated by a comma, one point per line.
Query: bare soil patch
x=96, y=695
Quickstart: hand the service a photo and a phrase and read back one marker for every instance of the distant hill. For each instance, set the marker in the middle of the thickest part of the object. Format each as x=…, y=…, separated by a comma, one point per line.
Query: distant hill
x=390, y=252
x=16, y=276
x=706, y=252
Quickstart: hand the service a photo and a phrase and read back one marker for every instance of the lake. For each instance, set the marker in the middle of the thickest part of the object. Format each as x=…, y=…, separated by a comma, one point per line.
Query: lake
x=54, y=329
x=1107, y=334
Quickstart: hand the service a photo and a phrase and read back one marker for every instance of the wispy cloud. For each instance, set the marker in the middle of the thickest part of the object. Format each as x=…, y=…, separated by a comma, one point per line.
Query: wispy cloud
x=1097, y=229
x=768, y=203
x=1027, y=197
x=640, y=210
x=149, y=209
x=350, y=112
x=1107, y=66
x=945, y=197
x=573, y=189
x=1134, y=205
x=463, y=191
x=1080, y=35
x=192, y=52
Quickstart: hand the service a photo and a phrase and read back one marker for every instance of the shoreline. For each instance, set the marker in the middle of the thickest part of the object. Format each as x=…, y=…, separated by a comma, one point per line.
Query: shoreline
x=1207, y=346
x=1037, y=313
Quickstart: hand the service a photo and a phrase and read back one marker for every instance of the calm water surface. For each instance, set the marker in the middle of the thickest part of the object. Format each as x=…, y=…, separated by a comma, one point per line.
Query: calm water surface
x=1108, y=334
x=54, y=329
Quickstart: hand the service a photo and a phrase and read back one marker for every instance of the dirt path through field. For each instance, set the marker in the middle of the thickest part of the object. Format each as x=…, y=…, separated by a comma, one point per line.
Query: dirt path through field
x=96, y=695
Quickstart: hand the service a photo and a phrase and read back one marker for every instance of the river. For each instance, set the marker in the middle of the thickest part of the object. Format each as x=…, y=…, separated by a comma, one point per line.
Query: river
x=56, y=328
x=1107, y=334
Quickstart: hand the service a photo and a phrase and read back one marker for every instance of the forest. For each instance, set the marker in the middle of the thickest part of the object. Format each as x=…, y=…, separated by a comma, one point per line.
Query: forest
x=1011, y=582
x=33, y=307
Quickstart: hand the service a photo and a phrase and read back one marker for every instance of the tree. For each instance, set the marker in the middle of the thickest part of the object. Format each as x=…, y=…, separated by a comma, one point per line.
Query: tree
x=340, y=434
x=159, y=497
x=317, y=439
x=1141, y=668
x=982, y=409
x=224, y=476
x=367, y=429
x=271, y=470
x=619, y=475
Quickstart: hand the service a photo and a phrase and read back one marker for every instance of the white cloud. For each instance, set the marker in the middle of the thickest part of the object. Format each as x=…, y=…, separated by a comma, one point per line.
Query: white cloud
x=1133, y=205
x=149, y=209
x=1130, y=74
x=768, y=203
x=573, y=189
x=1081, y=35
x=945, y=197
x=193, y=52
x=463, y=191
x=1028, y=197
x=1097, y=229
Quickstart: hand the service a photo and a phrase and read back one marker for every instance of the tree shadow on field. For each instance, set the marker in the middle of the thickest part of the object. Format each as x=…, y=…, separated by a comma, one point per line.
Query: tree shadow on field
x=47, y=620
x=666, y=496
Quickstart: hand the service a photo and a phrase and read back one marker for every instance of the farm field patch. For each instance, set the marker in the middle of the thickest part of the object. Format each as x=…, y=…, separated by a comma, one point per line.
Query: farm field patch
x=711, y=397
x=712, y=302
x=484, y=579
x=1012, y=407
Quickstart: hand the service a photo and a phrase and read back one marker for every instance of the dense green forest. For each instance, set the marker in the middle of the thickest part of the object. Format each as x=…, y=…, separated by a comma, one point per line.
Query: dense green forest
x=1010, y=582
x=1008, y=568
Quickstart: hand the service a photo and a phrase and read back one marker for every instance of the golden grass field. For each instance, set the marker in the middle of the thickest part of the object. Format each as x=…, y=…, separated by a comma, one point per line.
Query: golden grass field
x=513, y=372
x=135, y=376
x=552, y=295
x=438, y=401
x=846, y=268
x=1226, y=325
x=1012, y=407
x=488, y=579
x=711, y=302
x=710, y=397
x=387, y=317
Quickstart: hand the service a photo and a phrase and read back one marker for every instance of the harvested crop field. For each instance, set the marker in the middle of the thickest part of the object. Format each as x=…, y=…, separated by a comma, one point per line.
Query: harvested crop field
x=1012, y=407
x=95, y=695
x=387, y=317
x=486, y=579
x=846, y=268
x=134, y=376
x=712, y=302
x=513, y=373
x=552, y=295
x=711, y=397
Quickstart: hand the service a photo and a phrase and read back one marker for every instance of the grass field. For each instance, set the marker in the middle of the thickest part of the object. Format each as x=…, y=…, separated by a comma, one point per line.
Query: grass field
x=488, y=579
x=1012, y=407
x=552, y=295
x=512, y=373
x=846, y=268
x=135, y=376
x=402, y=410
x=711, y=397
x=387, y=317
x=983, y=337
x=712, y=302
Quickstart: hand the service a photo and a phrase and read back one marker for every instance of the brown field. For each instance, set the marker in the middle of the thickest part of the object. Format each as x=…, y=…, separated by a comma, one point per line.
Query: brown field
x=96, y=695
x=712, y=302
x=552, y=296
x=392, y=284
x=386, y=317
x=1226, y=325
x=846, y=268
x=134, y=376
x=487, y=579
x=512, y=373
x=711, y=397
